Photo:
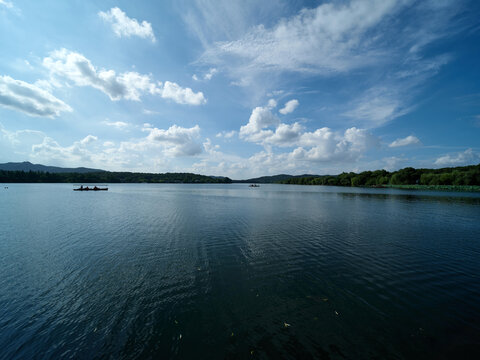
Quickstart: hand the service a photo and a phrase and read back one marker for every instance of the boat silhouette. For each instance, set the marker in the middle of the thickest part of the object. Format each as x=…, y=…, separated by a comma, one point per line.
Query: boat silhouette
x=86, y=188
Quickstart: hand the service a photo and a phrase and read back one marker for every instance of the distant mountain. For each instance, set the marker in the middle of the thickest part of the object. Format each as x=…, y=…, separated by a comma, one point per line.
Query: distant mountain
x=271, y=179
x=28, y=166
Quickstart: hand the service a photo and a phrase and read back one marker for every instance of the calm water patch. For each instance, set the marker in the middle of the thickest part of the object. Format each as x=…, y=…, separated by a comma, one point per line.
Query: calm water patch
x=228, y=271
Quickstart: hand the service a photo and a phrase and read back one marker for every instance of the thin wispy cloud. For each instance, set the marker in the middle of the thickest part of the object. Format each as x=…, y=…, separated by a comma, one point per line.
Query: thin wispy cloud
x=327, y=39
x=121, y=125
x=7, y=4
x=207, y=76
x=340, y=38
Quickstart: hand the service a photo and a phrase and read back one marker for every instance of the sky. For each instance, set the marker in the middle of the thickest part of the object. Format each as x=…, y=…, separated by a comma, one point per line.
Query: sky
x=240, y=88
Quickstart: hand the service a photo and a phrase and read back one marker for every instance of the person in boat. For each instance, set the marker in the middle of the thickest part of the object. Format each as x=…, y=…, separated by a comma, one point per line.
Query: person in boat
x=95, y=188
x=81, y=187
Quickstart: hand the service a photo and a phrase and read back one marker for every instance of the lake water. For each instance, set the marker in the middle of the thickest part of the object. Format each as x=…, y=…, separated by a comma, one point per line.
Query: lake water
x=227, y=271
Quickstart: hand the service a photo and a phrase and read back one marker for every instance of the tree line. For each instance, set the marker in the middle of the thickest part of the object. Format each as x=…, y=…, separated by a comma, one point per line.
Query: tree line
x=460, y=176
x=105, y=177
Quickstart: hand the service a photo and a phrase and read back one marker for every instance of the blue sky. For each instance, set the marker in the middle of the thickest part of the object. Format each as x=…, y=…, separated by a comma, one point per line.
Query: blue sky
x=240, y=88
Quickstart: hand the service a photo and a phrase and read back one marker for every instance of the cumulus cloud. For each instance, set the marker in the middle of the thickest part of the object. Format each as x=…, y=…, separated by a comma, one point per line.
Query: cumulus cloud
x=122, y=25
x=137, y=153
x=332, y=154
x=29, y=99
x=323, y=144
x=77, y=153
x=289, y=107
x=260, y=118
x=128, y=85
x=178, y=141
x=468, y=157
x=181, y=95
x=328, y=145
x=409, y=140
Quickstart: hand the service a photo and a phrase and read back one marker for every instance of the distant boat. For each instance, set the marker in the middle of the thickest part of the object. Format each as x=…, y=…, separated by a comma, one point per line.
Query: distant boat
x=254, y=185
x=86, y=188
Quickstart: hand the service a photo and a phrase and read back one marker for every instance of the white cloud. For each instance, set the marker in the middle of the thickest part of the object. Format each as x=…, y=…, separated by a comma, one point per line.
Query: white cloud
x=285, y=135
x=207, y=76
x=210, y=73
x=29, y=99
x=391, y=98
x=327, y=145
x=329, y=38
x=88, y=139
x=128, y=85
x=336, y=39
x=260, y=118
x=226, y=134
x=44, y=84
x=377, y=106
x=149, y=112
x=78, y=69
x=289, y=107
x=334, y=152
x=179, y=141
x=181, y=95
x=147, y=127
x=7, y=4
x=78, y=153
x=215, y=20
x=409, y=140
x=21, y=140
x=393, y=163
x=322, y=144
x=117, y=124
x=122, y=25
x=140, y=154
x=468, y=157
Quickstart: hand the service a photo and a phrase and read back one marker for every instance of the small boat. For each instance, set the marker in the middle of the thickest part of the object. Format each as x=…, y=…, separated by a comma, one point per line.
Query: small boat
x=254, y=185
x=86, y=188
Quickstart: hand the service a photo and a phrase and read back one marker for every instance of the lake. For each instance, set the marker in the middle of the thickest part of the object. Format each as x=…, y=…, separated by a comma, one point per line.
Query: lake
x=226, y=271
